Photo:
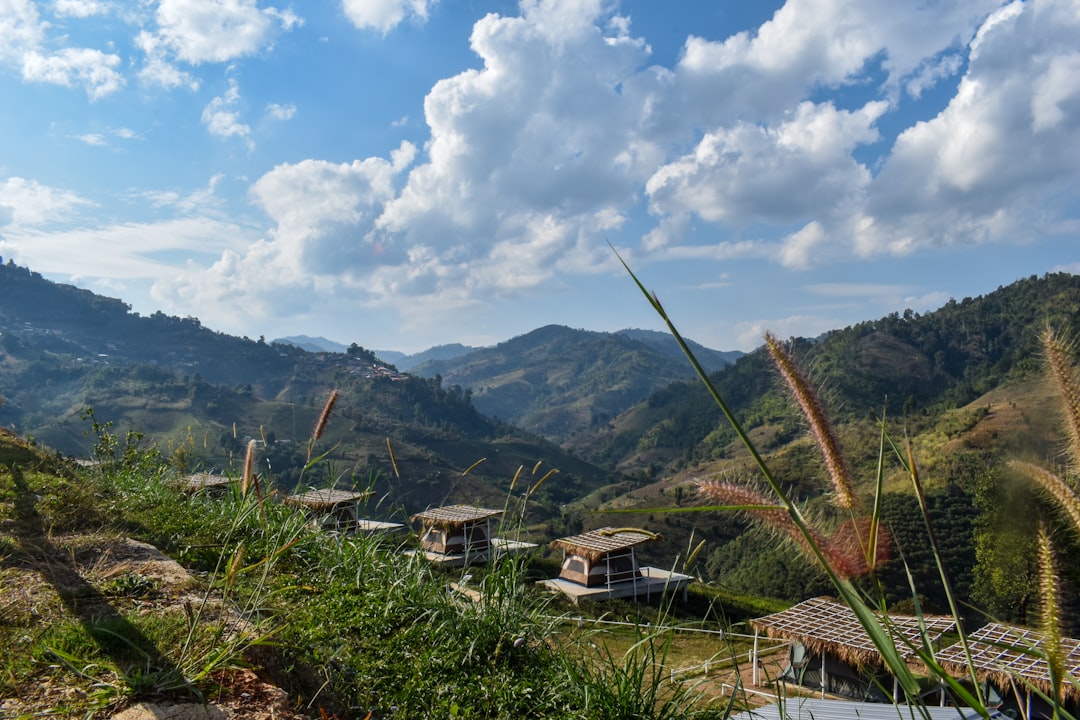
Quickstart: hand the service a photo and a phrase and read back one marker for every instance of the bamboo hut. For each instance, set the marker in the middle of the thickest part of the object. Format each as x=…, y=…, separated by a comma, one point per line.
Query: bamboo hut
x=462, y=534
x=602, y=564
x=1012, y=661
x=205, y=482
x=338, y=510
x=832, y=652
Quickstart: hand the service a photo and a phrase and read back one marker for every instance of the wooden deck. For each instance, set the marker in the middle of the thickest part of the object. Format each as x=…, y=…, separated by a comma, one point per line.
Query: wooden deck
x=650, y=581
x=499, y=547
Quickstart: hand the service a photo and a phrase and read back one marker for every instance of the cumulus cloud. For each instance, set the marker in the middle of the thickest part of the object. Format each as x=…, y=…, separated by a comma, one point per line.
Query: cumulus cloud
x=385, y=15
x=200, y=31
x=985, y=168
x=221, y=117
x=93, y=69
x=563, y=134
x=23, y=41
x=780, y=174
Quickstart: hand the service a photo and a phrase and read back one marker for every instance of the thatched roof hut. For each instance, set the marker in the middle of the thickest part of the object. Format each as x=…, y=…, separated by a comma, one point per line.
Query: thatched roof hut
x=204, y=481
x=325, y=500
x=456, y=530
x=452, y=516
x=827, y=627
x=1001, y=653
x=602, y=557
x=595, y=544
x=337, y=509
x=601, y=564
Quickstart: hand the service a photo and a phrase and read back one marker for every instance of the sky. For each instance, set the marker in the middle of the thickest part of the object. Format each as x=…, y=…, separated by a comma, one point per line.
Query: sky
x=409, y=173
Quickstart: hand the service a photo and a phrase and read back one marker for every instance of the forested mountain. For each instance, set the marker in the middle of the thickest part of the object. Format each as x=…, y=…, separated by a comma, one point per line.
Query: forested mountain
x=202, y=395
x=902, y=365
x=961, y=384
x=560, y=382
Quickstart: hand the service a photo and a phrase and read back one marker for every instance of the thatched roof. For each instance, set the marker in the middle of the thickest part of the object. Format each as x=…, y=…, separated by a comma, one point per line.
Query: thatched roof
x=204, y=481
x=454, y=515
x=824, y=625
x=325, y=499
x=1000, y=653
x=597, y=543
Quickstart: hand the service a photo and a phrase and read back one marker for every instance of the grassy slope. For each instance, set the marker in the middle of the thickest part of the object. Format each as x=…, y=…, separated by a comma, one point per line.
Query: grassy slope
x=356, y=625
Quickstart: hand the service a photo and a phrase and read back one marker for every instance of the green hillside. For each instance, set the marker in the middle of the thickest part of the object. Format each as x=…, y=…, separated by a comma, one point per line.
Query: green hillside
x=562, y=383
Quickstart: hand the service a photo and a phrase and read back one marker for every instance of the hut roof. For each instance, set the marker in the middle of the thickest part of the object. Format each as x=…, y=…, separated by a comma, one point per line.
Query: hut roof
x=324, y=499
x=597, y=543
x=204, y=481
x=454, y=515
x=824, y=625
x=1002, y=652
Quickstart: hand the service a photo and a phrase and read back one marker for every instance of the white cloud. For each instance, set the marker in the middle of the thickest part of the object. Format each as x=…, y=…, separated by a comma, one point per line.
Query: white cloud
x=23, y=42
x=79, y=8
x=28, y=203
x=96, y=139
x=989, y=166
x=201, y=31
x=809, y=44
x=157, y=69
x=324, y=212
x=21, y=29
x=281, y=112
x=385, y=15
x=91, y=68
x=800, y=168
x=540, y=136
x=222, y=119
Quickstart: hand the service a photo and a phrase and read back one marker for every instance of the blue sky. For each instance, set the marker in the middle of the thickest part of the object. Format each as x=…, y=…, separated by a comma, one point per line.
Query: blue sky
x=407, y=173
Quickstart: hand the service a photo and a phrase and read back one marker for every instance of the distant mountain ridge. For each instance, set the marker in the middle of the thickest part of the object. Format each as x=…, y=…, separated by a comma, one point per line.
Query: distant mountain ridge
x=560, y=382
x=312, y=344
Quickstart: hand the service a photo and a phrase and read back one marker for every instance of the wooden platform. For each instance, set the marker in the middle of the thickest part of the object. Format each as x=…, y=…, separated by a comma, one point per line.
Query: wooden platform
x=651, y=581
x=499, y=547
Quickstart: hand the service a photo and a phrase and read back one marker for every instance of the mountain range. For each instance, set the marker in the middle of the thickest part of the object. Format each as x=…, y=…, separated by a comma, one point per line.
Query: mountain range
x=619, y=416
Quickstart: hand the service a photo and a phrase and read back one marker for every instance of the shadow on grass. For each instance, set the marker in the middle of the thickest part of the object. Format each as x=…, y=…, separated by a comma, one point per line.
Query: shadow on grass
x=145, y=668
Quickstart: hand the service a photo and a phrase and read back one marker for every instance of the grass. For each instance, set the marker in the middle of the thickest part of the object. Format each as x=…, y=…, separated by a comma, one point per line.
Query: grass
x=349, y=627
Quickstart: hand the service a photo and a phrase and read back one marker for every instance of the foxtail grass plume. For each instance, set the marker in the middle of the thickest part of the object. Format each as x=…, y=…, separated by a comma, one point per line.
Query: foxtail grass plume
x=1054, y=487
x=841, y=552
x=393, y=460
x=471, y=467
x=1058, y=352
x=1050, y=615
x=324, y=416
x=812, y=409
x=517, y=474
x=540, y=482
x=249, y=468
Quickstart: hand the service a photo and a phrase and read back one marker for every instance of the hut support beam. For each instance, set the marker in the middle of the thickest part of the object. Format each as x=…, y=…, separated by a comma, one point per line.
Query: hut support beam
x=754, y=660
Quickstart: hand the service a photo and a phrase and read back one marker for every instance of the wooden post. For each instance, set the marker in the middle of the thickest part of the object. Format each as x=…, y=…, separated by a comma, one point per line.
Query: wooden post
x=754, y=659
